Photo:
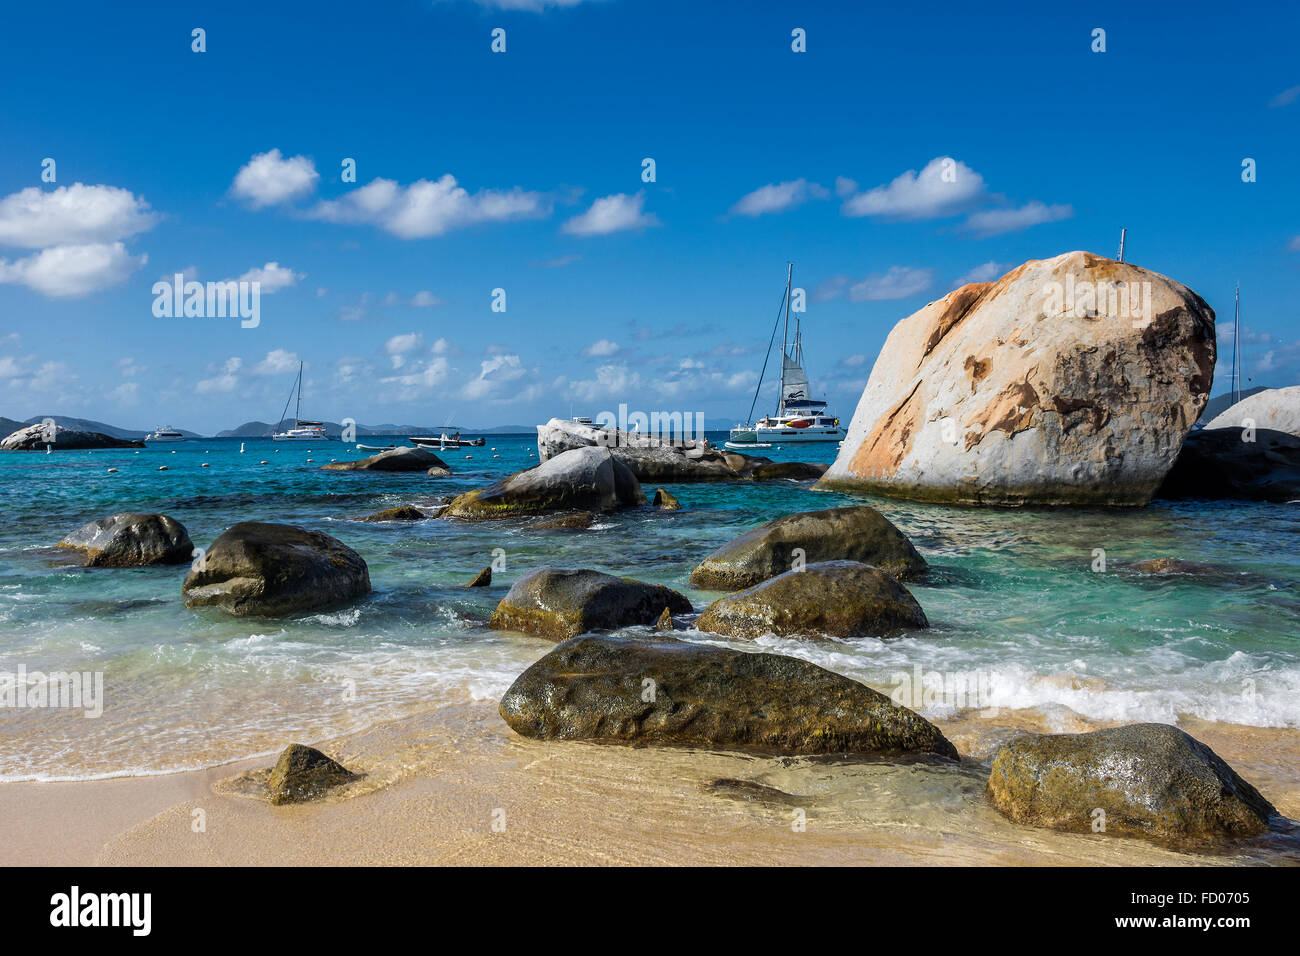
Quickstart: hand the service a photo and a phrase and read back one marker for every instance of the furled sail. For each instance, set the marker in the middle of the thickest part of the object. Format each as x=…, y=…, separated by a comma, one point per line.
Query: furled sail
x=794, y=383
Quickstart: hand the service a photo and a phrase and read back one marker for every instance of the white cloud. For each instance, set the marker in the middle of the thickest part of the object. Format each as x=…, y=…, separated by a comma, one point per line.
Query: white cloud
x=72, y=270
x=126, y=394
x=494, y=372
x=419, y=378
x=993, y=222
x=845, y=187
x=399, y=345
x=530, y=6
x=943, y=188
x=1286, y=97
x=601, y=348
x=1294, y=245
x=277, y=362
x=854, y=360
x=72, y=215
x=226, y=381
x=616, y=213
x=269, y=179
x=425, y=208
x=424, y=299
x=899, y=282
x=778, y=197
x=986, y=272
x=273, y=277
x=611, y=381
x=560, y=261
x=441, y=347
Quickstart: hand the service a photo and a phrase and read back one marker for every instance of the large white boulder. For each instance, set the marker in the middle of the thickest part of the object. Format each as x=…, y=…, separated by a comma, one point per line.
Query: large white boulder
x=1276, y=409
x=1070, y=380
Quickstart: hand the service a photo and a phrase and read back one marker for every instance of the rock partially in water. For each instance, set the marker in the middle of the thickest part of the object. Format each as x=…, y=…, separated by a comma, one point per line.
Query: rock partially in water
x=578, y=521
x=1149, y=780
x=1217, y=464
x=835, y=598
x=559, y=603
x=1273, y=409
x=1178, y=566
x=670, y=692
x=131, y=540
x=665, y=622
x=482, y=579
x=858, y=533
x=665, y=501
x=394, y=459
x=400, y=513
x=668, y=459
x=585, y=479
x=37, y=437
x=304, y=773
x=1069, y=381
x=270, y=570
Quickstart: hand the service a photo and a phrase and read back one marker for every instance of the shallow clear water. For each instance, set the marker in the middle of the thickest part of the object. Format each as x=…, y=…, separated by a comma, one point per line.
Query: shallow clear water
x=1013, y=602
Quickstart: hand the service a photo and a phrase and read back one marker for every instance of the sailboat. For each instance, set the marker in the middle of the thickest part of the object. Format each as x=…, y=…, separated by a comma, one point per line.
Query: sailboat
x=798, y=416
x=302, y=430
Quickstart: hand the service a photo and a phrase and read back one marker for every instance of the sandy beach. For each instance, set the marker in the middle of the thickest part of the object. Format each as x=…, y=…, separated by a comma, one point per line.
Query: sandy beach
x=455, y=786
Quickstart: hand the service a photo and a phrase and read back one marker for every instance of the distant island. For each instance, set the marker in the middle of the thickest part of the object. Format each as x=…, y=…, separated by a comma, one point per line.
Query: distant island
x=335, y=429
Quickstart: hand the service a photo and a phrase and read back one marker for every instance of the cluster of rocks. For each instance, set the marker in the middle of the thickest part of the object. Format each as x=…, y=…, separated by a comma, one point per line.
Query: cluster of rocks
x=996, y=394
x=656, y=459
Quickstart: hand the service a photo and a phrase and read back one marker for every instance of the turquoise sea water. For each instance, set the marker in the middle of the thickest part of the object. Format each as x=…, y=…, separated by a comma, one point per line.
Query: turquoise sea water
x=1012, y=597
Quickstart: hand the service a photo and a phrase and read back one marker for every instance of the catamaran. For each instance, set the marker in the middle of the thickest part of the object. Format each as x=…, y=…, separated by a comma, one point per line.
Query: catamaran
x=301, y=430
x=798, y=416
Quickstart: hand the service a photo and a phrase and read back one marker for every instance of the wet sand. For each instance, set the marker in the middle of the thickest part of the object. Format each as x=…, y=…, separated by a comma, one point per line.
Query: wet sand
x=455, y=786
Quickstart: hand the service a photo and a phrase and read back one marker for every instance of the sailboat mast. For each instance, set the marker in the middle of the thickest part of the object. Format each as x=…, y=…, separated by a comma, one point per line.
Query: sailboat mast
x=1236, y=344
x=297, y=409
x=785, y=335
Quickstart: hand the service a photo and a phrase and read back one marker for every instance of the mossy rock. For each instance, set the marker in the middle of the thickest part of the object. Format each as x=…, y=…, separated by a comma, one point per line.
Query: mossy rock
x=667, y=692
x=1149, y=780
x=834, y=598
x=560, y=603
x=304, y=773
x=131, y=540
x=856, y=533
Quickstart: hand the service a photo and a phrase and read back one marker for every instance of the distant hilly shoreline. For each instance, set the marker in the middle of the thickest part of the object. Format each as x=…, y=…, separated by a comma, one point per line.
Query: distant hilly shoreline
x=255, y=429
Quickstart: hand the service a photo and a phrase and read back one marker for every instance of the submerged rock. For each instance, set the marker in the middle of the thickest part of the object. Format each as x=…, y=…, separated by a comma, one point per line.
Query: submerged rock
x=1219, y=464
x=669, y=692
x=270, y=570
x=1069, y=381
x=400, y=513
x=858, y=533
x=665, y=501
x=558, y=603
x=482, y=579
x=1177, y=566
x=585, y=479
x=654, y=459
x=131, y=540
x=1151, y=780
x=304, y=773
x=394, y=459
x=37, y=437
x=578, y=521
x=1274, y=409
x=835, y=598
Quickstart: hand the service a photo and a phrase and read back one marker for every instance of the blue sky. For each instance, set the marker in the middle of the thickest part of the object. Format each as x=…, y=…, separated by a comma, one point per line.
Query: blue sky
x=523, y=171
